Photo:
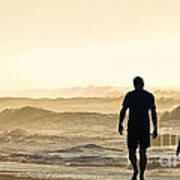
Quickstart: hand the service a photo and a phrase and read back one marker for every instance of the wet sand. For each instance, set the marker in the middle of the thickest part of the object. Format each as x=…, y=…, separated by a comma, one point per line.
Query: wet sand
x=8, y=177
x=121, y=177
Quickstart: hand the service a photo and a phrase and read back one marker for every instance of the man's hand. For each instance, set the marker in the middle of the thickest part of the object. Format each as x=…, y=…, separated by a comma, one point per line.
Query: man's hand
x=121, y=129
x=155, y=133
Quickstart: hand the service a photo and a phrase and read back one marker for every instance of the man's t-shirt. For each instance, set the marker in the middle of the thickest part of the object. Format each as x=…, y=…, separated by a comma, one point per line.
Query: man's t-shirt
x=139, y=103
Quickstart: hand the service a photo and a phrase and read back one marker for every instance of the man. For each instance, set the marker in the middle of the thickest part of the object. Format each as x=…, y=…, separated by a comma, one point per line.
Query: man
x=139, y=102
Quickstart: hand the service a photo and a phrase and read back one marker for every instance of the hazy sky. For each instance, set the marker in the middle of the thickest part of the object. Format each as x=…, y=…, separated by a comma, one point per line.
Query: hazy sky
x=63, y=43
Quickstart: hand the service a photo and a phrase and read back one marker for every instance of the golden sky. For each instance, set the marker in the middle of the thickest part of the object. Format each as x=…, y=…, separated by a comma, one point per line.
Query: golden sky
x=63, y=43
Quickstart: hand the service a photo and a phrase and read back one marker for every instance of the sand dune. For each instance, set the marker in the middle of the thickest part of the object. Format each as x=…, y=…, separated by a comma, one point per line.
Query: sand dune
x=36, y=118
x=83, y=104
x=174, y=114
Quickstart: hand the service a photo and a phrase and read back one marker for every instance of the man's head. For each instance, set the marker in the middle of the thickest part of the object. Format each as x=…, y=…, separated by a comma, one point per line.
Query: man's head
x=138, y=82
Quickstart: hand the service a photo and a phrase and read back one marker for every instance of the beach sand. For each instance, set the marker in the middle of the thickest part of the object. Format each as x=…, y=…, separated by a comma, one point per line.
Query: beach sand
x=118, y=177
x=8, y=177
x=73, y=146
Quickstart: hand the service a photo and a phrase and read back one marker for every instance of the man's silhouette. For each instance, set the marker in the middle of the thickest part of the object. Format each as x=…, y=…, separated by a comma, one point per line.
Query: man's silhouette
x=139, y=102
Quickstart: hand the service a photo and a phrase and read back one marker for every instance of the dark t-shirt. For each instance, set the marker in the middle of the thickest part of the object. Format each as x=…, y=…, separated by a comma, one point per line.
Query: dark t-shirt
x=139, y=103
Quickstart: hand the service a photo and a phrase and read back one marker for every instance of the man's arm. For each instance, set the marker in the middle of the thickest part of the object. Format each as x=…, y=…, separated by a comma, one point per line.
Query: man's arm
x=121, y=119
x=123, y=113
x=154, y=117
x=178, y=149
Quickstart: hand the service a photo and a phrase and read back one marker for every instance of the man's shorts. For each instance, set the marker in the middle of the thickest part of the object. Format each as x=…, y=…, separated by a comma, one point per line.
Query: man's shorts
x=138, y=137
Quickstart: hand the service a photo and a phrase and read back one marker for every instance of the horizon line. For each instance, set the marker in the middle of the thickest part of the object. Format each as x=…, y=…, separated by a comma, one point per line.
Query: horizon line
x=87, y=86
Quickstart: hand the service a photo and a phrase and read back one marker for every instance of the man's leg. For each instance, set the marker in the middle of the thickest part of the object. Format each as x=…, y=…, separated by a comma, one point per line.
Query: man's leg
x=133, y=160
x=142, y=162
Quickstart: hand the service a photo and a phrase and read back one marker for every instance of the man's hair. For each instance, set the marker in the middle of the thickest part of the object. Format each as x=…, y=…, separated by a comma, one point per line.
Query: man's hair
x=138, y=81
